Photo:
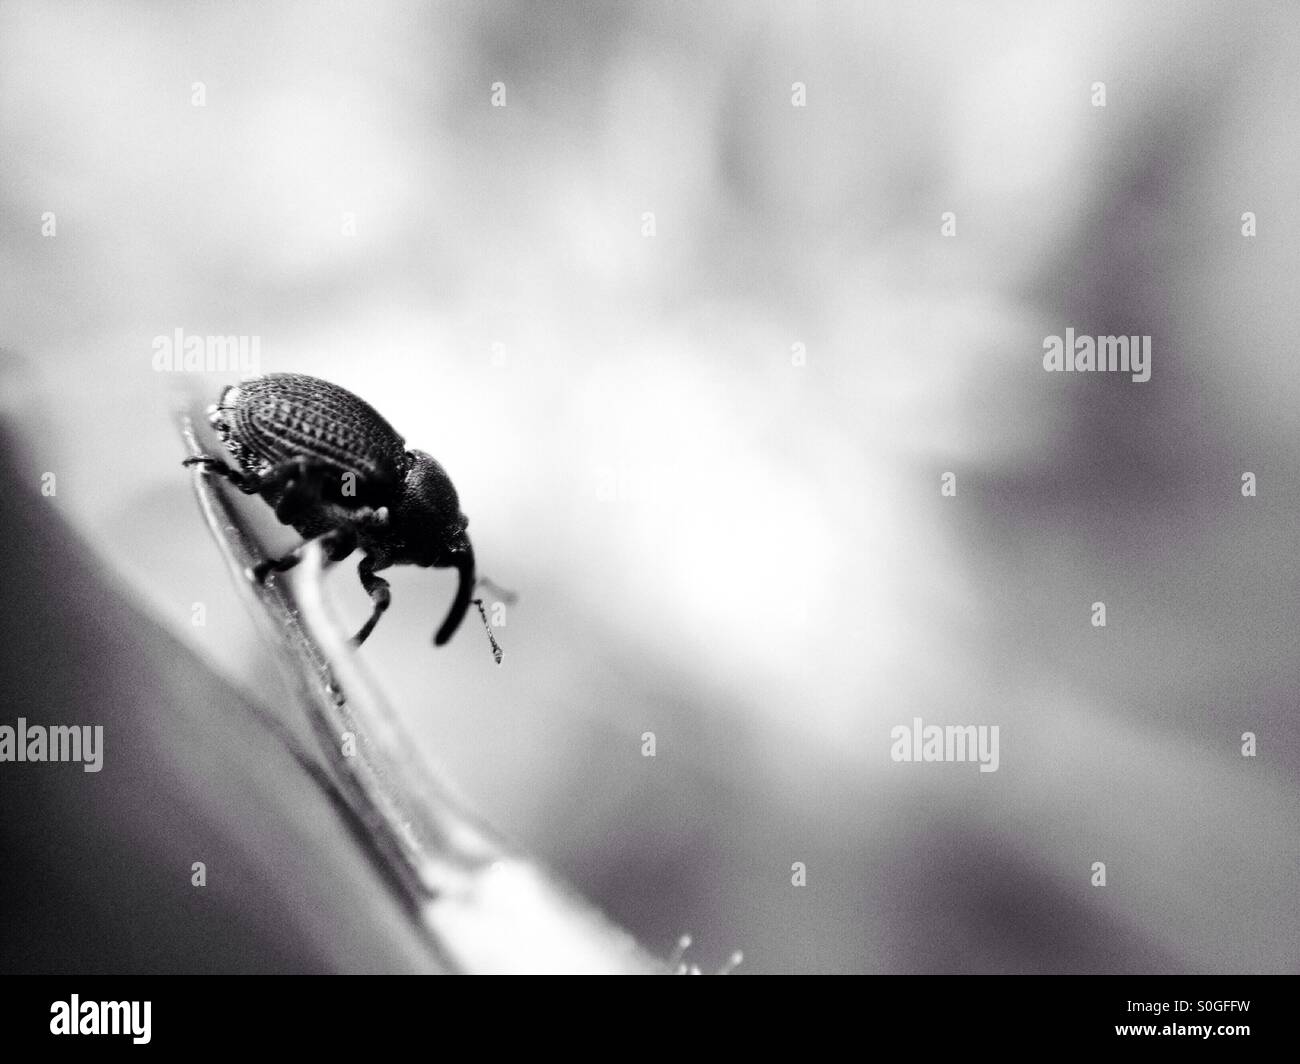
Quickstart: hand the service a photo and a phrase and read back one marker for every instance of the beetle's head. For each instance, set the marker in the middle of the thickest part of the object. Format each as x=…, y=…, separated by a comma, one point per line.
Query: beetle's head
x=432, y=531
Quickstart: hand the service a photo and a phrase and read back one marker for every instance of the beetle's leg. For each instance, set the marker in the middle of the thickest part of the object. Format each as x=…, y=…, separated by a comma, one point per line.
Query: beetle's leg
x=243, y=481
x=504, y=594
x=299, y=482
x=371, y=519
x=377, y=588
x=278, y=565
x=337, y=545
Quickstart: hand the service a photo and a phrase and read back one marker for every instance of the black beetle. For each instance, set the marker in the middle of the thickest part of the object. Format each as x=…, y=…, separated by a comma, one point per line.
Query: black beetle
x=336, y=471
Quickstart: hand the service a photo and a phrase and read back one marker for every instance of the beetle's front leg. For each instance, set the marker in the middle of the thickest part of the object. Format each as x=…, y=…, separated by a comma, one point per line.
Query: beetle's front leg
x=337, y=545
x=377, y=588
x=262, y=569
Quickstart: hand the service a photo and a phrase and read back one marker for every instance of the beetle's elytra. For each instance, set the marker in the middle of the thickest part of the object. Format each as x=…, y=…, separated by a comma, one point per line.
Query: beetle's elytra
x=335, y=470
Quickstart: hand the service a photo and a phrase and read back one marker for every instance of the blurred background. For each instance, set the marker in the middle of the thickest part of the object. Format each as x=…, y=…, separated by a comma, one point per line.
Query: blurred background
x=696, y=359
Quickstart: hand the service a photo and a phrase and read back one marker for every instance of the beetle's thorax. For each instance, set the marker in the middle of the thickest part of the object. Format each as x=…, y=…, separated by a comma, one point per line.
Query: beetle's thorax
x=426, y=525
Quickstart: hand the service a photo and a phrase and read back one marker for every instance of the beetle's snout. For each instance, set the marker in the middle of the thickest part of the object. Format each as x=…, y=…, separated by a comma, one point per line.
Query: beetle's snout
x=463, y=560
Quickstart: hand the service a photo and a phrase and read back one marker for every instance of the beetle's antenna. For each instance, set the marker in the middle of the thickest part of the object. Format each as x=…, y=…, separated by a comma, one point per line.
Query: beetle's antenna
x=496, y=647
x=504, y=594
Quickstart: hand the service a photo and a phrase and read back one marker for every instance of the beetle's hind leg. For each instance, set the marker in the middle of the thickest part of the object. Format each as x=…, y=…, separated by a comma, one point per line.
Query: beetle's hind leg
x=299, y=482
x=249, y=485
x=377, y=588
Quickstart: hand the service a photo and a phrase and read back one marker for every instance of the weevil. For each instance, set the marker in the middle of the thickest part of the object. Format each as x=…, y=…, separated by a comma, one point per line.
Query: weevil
x=336, y=471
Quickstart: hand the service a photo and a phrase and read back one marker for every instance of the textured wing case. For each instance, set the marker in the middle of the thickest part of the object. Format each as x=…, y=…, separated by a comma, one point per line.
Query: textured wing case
x=270, y=419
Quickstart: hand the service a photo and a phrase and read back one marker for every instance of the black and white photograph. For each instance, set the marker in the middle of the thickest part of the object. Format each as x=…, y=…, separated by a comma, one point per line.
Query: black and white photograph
x=583, y=487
